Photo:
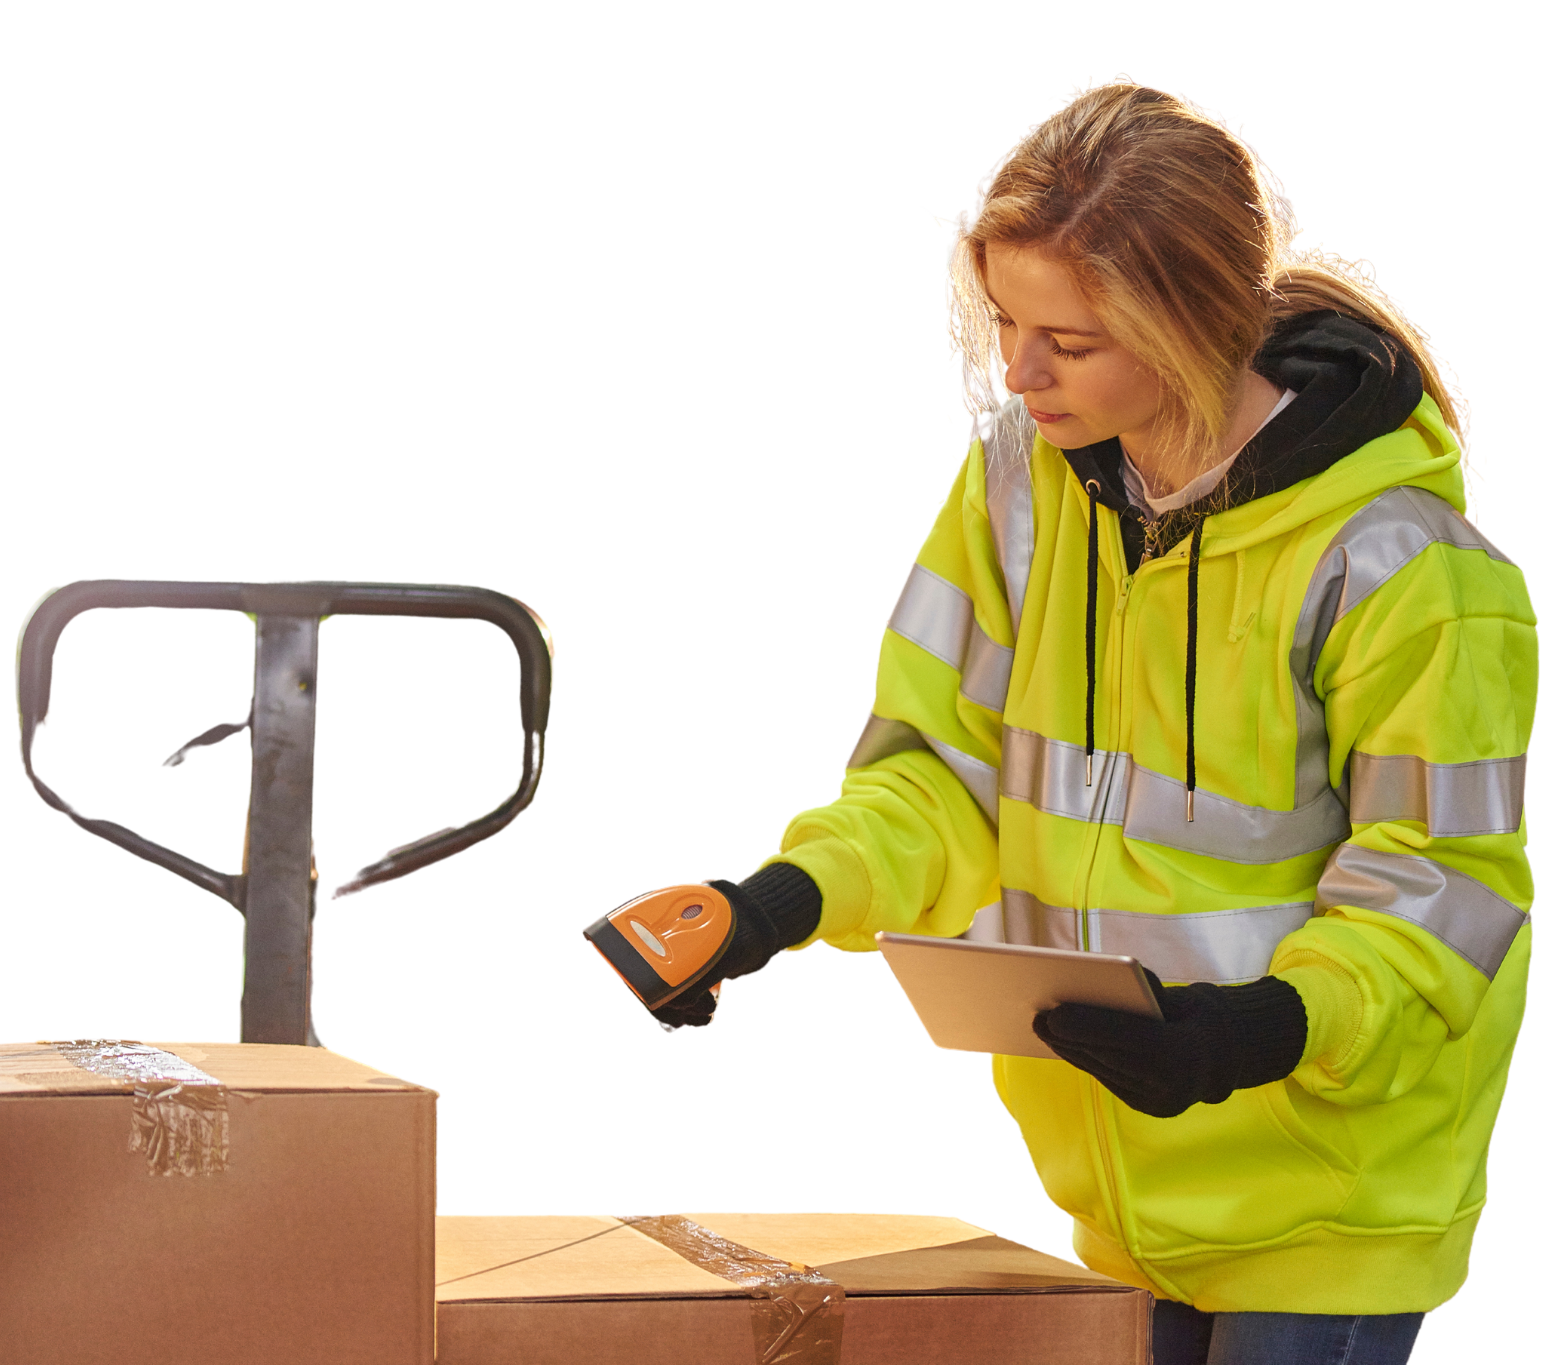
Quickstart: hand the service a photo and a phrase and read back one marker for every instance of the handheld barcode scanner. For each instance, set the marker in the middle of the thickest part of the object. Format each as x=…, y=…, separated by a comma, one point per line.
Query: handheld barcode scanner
x=663, y=942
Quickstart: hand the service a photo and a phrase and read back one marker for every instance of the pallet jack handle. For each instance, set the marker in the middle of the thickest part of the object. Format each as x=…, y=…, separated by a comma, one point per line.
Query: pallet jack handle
x=275, y=890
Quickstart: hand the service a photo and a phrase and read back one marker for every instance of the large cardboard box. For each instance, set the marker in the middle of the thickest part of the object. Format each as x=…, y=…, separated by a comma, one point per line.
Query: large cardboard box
x=802, y=1289
x=219, y=1204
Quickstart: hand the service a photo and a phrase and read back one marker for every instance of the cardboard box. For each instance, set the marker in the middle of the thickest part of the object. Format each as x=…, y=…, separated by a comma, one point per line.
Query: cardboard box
x=219, y=1204
x=804, y=1289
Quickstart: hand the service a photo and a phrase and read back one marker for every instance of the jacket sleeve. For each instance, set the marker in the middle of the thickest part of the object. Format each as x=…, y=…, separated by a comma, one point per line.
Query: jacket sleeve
x=1428, y=685
x=909, y=846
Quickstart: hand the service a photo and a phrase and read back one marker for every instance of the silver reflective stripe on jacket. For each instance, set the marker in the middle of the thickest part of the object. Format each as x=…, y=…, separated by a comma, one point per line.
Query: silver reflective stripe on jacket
x=1051, y=775
x=1220, y=946
x=1375, y=543
x=1455, y=909
x=1452, y=799
x=938, y=617
x=981, y=779
x=988, y=925
x=882, y=738
x=1007, y=437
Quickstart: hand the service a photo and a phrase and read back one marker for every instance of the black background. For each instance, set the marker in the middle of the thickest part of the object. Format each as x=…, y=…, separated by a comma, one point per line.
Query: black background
x=670, y=366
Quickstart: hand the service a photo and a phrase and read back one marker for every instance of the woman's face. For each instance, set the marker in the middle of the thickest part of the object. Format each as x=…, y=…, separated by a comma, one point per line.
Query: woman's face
x=1078, y=383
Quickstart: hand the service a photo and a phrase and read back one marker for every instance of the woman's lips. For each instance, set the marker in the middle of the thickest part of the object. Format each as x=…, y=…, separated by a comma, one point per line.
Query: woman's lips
x=1046, y=418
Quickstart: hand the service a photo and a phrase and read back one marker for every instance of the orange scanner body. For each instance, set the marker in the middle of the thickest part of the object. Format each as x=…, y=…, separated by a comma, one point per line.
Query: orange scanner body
x=661, y=943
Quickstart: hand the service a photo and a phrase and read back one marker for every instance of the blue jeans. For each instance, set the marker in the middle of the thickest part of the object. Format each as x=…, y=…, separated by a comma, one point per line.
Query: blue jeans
x=1182, y=1335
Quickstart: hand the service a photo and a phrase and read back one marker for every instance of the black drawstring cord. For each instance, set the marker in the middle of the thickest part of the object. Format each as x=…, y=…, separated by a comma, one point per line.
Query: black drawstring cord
x=1093, y=489
x=1189, y=670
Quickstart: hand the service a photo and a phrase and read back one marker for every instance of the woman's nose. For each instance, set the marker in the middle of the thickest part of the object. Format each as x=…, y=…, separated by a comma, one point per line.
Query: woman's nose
x=1028, y=371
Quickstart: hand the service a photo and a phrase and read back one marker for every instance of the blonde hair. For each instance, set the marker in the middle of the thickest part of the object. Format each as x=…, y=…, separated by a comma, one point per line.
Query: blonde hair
x=1178, y=241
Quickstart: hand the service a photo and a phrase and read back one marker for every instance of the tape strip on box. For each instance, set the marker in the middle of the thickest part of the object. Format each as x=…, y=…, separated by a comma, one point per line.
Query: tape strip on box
x=796, y=1314
x=179, y=1113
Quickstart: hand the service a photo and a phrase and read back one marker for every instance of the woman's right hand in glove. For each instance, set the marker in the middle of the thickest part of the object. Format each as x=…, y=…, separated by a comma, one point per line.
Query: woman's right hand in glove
x=775, y=908
x=692, y=1009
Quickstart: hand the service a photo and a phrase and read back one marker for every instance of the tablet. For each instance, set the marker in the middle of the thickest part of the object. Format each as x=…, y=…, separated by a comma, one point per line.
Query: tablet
x=981, y=997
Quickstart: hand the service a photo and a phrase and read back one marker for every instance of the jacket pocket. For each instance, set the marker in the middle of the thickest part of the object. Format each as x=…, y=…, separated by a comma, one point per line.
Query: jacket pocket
x=1318, y=1129
x=1248, y=1170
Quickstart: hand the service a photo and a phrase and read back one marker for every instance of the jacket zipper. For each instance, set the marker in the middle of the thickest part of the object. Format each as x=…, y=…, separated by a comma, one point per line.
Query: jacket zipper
x=1112, y=774
x=1117, y=637
x=1114, y=651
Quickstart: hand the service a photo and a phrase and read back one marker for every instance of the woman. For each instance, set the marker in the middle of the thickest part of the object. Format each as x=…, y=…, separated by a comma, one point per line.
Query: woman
x=1202, y=663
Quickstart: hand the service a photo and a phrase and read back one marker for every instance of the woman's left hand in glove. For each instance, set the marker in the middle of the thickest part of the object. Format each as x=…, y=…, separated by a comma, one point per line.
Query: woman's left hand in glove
x=1210, y=1041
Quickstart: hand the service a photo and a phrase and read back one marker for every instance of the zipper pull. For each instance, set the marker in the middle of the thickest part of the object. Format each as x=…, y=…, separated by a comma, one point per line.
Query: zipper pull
x=1124, y=593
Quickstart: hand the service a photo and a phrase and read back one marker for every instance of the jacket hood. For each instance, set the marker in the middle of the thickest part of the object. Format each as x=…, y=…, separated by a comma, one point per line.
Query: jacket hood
x=1354, y=384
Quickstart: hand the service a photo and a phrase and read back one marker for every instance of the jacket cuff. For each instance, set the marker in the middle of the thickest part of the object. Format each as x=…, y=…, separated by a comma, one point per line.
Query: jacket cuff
x=789, y=898
x=1334, y=1004
x=1270, y=1025
x=845, y=886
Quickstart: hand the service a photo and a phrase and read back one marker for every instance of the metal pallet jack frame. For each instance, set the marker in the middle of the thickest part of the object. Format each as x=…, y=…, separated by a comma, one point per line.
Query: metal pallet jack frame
x=275, y=890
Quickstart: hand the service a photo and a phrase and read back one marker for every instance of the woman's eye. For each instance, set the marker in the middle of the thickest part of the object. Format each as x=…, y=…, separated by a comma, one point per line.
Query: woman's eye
x=1002, y=322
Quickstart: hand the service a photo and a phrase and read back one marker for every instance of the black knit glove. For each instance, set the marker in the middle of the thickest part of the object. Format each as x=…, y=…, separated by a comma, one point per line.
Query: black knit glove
x=1210, y=1041
x=775, y=908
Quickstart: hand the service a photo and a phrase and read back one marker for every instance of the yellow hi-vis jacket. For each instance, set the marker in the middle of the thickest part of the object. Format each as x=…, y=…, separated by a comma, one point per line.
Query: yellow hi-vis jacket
x=1366, y=683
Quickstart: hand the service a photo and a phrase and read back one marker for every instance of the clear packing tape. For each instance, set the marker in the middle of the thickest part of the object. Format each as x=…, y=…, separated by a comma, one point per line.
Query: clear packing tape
x=796, y=1312
x=179, y=1113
